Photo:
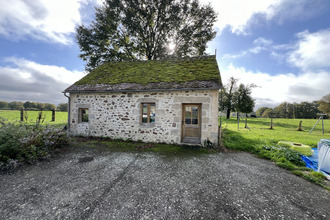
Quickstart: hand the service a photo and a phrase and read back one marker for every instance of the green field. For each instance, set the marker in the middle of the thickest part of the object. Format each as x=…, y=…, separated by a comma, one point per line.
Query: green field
x=262, y=141
x=283, y=130
x=61, y=118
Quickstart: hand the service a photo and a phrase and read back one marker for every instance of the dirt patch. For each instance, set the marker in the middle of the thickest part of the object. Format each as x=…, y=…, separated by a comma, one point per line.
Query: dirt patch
x=85, y=159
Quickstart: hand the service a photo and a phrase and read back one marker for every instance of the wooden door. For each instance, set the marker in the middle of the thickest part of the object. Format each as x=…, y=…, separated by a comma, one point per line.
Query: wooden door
x=191, y=124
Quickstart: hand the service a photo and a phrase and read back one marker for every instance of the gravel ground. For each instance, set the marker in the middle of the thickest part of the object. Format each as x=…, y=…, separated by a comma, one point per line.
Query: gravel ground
x=95, y=183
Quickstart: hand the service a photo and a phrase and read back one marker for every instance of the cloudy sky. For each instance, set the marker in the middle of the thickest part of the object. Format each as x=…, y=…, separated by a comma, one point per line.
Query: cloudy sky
x=283, y=46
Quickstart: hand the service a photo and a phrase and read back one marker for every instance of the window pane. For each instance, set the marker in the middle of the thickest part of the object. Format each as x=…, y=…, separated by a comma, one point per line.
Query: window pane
x=84, y=115
x=144, y=113
x=194, y=115
x=152, y=113
x=188, y=115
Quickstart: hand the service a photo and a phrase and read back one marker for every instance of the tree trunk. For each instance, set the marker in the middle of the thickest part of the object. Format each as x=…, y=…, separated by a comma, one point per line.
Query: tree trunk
x=228, y=113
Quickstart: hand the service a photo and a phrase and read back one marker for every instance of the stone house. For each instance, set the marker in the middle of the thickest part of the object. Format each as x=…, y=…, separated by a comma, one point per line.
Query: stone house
x=170, y=101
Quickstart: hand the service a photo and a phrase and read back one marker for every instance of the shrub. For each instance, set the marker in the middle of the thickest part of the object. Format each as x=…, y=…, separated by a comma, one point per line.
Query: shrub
x=28, y=143
x=284, y=157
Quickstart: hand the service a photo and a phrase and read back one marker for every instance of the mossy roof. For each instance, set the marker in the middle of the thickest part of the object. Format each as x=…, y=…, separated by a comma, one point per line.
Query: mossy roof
x=186, y=73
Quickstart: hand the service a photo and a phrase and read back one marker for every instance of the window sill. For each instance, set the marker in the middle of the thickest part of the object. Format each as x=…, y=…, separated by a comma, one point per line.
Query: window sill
x=147, y=125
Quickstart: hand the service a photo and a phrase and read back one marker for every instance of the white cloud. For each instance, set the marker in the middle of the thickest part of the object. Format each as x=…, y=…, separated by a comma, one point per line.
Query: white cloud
x=26, y=80
x=311, y=51
x=238, y=15
x=45, y=20
x=274, y=89
x=260, y=44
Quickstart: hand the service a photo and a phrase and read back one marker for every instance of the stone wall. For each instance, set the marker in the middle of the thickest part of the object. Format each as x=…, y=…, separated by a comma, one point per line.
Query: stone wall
x=118, y=115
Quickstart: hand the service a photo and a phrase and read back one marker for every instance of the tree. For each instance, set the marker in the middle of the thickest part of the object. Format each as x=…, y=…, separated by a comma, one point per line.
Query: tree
x=260, y=111
x=15, y=105
x=3, y=105
x=39, y=106
x=268, y=113
x=227, y=95
x=324, y=104
x=62, y=107
x=28, y=104
x=49, y=106
x=290, y=110
x=136, y=30
x=244, y=100
x=281, y=110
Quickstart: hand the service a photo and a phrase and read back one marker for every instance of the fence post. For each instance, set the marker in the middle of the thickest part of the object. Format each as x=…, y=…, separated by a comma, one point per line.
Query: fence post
x=299, y=128
x=22, y=114
x=322, y=126
x=271, y=124
x=237, y=121
x=53, y=115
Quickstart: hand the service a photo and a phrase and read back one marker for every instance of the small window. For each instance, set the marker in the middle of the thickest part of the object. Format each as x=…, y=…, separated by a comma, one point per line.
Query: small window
x=148, y=112
x=83, y=115
x=191, y=115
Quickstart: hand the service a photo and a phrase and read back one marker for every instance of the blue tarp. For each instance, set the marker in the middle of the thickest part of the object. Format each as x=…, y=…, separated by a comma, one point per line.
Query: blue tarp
x=311, y=161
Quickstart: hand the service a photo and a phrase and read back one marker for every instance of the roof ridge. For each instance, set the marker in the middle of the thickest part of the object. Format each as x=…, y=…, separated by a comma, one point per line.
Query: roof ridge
x=169, y=58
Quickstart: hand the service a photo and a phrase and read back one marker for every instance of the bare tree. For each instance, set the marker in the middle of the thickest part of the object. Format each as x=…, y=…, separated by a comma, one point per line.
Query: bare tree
x=228, y=96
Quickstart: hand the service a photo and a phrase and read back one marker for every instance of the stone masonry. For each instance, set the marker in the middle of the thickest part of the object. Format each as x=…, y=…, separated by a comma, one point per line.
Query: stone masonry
x=118, y=115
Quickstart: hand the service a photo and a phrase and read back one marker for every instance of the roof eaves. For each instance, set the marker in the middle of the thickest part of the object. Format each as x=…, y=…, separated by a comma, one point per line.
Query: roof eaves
x=139, y=90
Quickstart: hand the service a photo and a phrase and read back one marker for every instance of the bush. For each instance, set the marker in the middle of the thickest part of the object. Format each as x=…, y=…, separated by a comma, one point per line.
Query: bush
x=28, y=143
x=284, y=157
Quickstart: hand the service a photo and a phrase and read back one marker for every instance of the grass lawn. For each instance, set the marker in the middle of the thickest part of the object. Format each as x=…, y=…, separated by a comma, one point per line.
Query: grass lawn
x=262, y=141
x=61, y=118
x=283, y=130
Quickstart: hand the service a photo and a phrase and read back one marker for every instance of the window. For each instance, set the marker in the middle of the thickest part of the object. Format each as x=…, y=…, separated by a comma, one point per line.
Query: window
x=83, y=115
x=148, y=112
x=191, y=115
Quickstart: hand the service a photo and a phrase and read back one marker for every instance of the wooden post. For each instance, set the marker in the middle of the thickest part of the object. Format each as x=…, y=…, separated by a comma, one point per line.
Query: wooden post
x=53, y=115
x=219, y=134
x=237, y=121
x=322, y=126
x=315, y=124
x=22, y=114
x=271, y=123
x=299, y=128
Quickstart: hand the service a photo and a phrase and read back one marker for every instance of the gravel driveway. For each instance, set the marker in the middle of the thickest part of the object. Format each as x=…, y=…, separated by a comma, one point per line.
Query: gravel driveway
x=95, y=183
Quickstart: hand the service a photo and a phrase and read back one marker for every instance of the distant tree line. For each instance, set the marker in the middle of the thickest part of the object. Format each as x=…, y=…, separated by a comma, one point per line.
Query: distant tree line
x=63, y=107
x=297, y=110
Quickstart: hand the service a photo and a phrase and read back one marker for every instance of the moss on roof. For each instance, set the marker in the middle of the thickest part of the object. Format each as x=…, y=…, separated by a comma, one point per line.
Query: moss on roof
x=203, y=68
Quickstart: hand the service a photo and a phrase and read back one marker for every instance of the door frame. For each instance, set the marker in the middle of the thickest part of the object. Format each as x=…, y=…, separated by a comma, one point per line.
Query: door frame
x=199, y=120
